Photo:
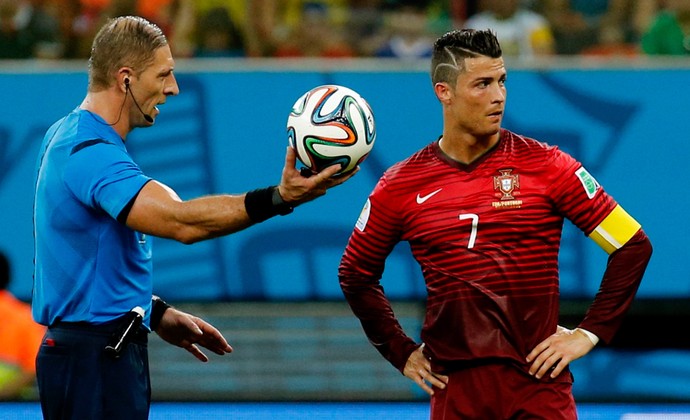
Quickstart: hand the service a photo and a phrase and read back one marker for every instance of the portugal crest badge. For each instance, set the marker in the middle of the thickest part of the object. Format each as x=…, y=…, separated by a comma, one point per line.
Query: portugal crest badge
x=506, y=184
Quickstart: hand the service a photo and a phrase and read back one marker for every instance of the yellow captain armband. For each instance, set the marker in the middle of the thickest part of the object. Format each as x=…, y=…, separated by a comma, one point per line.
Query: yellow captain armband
x=615, y=230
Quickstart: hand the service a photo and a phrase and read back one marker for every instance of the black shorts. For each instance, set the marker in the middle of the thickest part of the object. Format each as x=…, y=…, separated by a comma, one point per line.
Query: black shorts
x=78, y=380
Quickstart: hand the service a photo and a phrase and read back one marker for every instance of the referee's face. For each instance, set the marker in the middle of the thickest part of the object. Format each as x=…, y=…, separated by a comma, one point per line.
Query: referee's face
x=152, y=88
x=478, y=100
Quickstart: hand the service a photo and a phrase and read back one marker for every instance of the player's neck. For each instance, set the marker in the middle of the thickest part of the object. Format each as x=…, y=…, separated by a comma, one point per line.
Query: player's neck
x=466, y=148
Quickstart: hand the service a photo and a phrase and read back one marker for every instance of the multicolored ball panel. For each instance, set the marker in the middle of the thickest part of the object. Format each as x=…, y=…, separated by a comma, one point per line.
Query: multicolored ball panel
x=330, y=125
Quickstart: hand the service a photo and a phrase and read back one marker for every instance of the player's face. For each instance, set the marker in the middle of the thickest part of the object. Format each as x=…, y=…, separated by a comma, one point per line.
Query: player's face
x=478, y=100
x=154, y=85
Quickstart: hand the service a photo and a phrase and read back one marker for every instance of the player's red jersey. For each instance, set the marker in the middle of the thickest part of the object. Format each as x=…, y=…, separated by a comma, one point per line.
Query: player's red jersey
x=486, y=236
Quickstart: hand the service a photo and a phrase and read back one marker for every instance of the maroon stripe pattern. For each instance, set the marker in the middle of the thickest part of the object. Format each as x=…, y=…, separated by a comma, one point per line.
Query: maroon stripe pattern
x=486, y=236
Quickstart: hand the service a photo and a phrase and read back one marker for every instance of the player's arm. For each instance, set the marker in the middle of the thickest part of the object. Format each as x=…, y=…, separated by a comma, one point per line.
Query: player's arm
x=629, y=251
x=611, y=234
x=376, y=233
x=157, y=210
x=582, y=200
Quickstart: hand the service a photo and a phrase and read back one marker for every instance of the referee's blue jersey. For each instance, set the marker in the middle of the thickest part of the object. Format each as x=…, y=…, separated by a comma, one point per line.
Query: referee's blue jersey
x=88, y=266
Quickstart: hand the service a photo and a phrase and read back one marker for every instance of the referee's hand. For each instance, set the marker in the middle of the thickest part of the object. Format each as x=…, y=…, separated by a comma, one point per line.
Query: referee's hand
x=297, y=187
x=188, y=331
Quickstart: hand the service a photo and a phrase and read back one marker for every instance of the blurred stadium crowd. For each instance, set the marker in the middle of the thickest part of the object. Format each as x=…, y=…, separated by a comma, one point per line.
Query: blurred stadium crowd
x=63, y=29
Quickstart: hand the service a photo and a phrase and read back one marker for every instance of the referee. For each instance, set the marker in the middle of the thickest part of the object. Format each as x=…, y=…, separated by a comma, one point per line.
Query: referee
x=94, y=211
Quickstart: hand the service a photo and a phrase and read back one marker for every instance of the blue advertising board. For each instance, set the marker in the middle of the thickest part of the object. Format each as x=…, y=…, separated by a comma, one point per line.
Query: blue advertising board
x=225, y=133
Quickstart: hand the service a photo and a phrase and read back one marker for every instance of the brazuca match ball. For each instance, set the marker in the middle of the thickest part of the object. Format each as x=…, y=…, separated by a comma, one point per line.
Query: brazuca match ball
x=331, y=125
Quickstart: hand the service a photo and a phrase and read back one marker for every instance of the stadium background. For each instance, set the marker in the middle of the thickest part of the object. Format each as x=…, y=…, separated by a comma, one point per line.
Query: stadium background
x=273, y=289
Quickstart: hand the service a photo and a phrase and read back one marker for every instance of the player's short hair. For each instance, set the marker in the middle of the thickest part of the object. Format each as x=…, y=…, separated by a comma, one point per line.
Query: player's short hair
x=451, y=50
x=123, y=41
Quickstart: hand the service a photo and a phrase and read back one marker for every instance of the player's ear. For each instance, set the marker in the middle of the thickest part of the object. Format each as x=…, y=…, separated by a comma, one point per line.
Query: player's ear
x=442, y=91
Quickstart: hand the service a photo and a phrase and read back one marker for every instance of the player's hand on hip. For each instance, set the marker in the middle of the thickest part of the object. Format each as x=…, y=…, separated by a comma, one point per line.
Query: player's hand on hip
x=557, y=351
x=296, y=188
x=418, y=368
x=189, y=332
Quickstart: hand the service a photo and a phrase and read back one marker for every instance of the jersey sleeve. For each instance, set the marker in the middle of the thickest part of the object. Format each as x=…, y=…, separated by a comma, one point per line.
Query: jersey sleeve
x=103, y=176
x=582, y=200
x=577, y=194
x=375, y=235
x=622, y=278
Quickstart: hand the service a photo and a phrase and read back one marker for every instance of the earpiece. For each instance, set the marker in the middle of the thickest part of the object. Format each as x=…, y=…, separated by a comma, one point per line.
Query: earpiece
x=147, y=117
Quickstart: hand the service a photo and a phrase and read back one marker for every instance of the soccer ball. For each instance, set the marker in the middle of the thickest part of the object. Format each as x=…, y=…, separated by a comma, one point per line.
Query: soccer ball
x=331, y=125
